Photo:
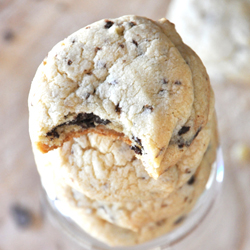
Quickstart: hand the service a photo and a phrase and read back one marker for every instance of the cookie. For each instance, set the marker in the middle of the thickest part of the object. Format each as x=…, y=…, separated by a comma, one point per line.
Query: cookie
x=106, y=169
x=100, y=80
x=205, y=24
x=136, y=222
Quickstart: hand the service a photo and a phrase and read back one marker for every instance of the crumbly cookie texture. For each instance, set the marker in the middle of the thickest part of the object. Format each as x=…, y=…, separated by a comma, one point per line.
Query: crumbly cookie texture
x=133, y=222
x=106, y=169
x=205, y=24
x=100, y=80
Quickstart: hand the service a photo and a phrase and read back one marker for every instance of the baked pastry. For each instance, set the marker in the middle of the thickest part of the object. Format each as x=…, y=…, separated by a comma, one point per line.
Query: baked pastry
x=219, y=31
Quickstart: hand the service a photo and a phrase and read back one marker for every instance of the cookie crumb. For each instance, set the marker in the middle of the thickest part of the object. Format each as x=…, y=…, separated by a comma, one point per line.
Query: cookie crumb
x=135, y=43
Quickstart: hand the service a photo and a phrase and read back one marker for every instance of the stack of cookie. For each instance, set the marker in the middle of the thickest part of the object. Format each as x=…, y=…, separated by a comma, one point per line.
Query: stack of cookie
x=122, y=123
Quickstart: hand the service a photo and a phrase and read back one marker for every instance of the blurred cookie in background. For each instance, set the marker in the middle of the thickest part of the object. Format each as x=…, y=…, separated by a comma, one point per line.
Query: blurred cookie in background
x=219, y=31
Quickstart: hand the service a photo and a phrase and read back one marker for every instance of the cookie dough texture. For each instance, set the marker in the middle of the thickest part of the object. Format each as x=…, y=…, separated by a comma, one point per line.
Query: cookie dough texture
x=219, y=31
x=129, y=223
x=100, y=80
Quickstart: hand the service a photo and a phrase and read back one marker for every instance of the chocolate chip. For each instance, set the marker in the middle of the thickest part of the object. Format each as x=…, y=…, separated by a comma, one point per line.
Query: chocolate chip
x=181, y=145
x=183, y=130
x=21, y=215
x=147, y=107
x=121, y=45
x=179, y=220
x=118, y=109
x=137, y=140
x=132, y=24
x=164, y=81
x=8, y=35
x=108, y=24
x=191, y=180
x=136, y=149
x=197, y=132
x=69, y=62
x=53, y=133
x=97, y=48
x=87, y=95
x=135, y=43
x=177, y=83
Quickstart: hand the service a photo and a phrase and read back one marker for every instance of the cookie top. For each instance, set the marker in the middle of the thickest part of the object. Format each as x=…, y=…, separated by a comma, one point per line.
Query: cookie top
x=205, y=24
x=121, y=76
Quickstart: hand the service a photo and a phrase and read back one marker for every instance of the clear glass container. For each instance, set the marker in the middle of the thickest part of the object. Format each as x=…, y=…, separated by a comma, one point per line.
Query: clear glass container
x=210, y=224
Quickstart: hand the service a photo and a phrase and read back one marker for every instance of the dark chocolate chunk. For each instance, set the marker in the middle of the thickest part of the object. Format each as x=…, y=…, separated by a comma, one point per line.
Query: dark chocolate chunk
x=147, y=107
x=85, y=120
x=137, y=140
x=108, y=24
x=97, y=48
x=164, y=81
x=135, y=43
x=53, y=133
x=21, y=215
x=69, y=62
x=197, y=132
x=177, y=82
x=191, y=180
x=136, y=149
x=132, y=24
x=118, y=109
x=179, y=220
x=8, y=35
x=183, y=130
